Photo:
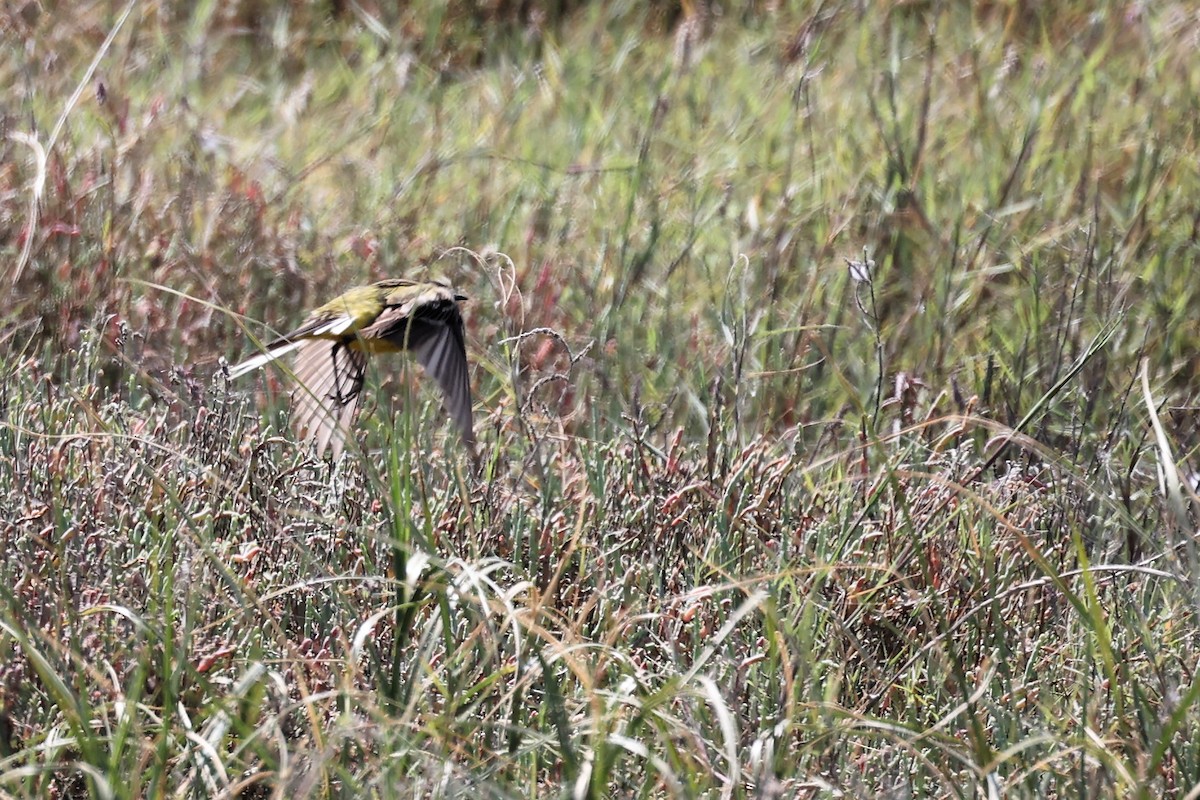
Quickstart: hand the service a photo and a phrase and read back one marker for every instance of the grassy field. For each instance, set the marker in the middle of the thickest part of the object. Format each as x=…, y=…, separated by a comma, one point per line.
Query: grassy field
x=837, y=378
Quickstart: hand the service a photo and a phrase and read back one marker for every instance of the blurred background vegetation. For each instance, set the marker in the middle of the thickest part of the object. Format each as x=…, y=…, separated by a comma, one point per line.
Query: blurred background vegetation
x=806, y=342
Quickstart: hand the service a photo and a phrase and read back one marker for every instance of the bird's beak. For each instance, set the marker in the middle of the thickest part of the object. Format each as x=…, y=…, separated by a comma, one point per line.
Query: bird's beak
x=460, y=297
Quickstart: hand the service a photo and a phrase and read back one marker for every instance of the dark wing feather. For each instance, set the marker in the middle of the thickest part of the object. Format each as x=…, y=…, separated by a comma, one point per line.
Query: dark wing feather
x=434, y=332
x=330, y=379
x=443, y=353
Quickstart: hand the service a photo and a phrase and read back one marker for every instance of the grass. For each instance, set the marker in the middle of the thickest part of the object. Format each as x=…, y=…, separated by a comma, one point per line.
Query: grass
x=836, y=382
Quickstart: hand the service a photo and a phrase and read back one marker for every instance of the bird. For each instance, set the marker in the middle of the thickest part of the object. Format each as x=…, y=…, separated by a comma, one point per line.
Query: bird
x=333, y=342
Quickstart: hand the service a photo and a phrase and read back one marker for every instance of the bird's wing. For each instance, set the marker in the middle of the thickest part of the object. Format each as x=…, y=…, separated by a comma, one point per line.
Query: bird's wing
x=329, y=378
x=434, y=332
x=443, y=353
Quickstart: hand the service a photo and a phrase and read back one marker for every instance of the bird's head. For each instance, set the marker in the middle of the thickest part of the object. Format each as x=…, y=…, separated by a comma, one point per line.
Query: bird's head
x=445, y=284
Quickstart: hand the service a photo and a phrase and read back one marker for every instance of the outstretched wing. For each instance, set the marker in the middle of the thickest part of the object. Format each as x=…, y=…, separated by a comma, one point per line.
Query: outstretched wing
x=329, y=378
x=434, y=332
x=442, y=351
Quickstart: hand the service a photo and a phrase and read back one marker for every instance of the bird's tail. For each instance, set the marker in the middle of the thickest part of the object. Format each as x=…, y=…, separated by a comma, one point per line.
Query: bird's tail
x=266, y=357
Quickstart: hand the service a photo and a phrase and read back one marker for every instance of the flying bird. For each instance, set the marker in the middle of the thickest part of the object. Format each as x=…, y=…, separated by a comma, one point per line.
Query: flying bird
x=332, y=345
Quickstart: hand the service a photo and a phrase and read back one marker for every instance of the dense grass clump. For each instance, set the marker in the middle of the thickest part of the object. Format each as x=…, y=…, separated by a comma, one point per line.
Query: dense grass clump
x=836, y=375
